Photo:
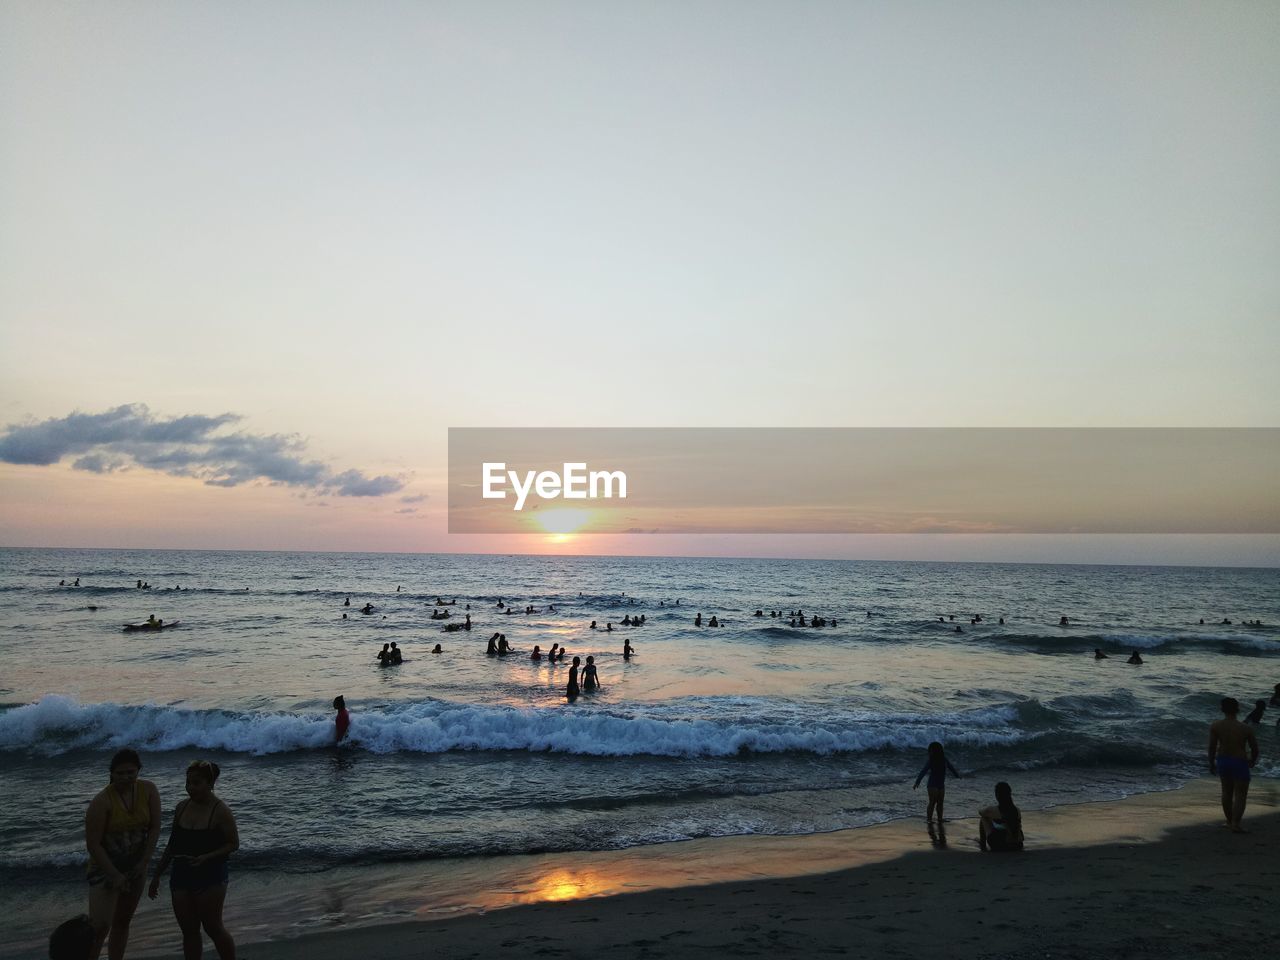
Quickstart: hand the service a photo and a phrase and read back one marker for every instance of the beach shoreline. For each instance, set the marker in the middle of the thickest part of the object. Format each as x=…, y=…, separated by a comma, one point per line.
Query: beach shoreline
x=1152, y=874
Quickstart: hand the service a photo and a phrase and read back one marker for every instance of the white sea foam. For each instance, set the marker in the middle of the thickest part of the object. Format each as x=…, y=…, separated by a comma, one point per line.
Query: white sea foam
x=55, y=724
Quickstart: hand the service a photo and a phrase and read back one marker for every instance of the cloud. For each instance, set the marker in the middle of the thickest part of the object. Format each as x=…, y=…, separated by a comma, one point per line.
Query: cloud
x=190, y=446
x=407, y=510
x=416, y=498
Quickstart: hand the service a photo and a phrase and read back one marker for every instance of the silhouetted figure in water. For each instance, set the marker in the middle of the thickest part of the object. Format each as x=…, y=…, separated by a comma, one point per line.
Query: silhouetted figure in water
x=396, y=656
x=537, y=653
x=1135, y=659
x=342, y=722
x=958, y=630
x=608, y=627
x=1202, y=621
x=627, y=650
x=560, y=655
x=936, y=766
x=344, y=616
x=1064, y=622
x=346, y=602
x=714, y=622
x=697, y=621
x=1255, y=715
x=551, y=657
x=503, y=647
x=590, y=681
x=384, y=655
x=492, y=649
x=1226, y=622
x=438, y=649
x=571, y=691
x=759, y=613
x=367, y=608
x=1002, y=621
x=1099, y=655
x=593, y=625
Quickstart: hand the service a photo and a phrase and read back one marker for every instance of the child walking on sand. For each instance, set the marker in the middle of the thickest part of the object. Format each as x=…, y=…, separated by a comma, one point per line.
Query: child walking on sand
x=936, y=767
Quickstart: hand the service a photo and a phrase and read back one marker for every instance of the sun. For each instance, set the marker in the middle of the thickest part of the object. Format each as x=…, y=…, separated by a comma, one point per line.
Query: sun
x=562, y=521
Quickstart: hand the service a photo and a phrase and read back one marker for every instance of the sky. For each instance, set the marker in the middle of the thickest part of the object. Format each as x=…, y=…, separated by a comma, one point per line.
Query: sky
x=256, y=259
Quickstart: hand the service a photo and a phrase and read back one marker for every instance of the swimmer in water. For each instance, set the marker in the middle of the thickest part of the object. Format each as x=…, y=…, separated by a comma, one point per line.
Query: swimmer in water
x=384, y=655
x=492, y=649
x=1255, y=715
x=1135, y=659
x=438, y=649
x=590, y=681
x=571, y=691
x=537, y=653
x=1099, y=655
x=627, y=650
x=396, y=656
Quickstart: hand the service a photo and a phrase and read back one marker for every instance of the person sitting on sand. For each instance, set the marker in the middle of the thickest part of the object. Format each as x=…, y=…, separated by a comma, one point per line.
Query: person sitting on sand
x=384, y=655
x=1228, y=739
x=438, y=649
x=396, y=656
x=492, y=649
x=936, y=766
x=1255, y=715
x=590, y=680
x=1099, y=655
x=1135, y=659
x=537, y=653
x=571, y=691
x=1000, y=826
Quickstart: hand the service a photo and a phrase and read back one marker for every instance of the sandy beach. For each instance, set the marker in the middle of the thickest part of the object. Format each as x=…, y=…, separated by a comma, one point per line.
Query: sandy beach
x=1154, y=875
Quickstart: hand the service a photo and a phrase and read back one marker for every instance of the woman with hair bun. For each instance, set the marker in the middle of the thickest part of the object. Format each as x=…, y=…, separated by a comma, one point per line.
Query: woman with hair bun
x=203, y=836
x=121, y=828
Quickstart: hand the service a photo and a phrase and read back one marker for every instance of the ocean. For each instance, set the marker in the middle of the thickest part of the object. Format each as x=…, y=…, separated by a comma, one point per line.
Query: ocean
x=752, y=727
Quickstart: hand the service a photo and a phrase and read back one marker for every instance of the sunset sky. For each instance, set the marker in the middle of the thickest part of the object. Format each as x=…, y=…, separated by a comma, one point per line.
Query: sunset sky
x=256, y=259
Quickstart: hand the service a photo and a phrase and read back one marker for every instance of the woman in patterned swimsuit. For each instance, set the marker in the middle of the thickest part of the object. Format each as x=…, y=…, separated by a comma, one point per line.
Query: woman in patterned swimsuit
x=120, y=831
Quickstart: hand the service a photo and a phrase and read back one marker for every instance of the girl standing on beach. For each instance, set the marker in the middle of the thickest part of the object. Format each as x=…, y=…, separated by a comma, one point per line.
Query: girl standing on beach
x=936, y=767
x=120, y=830
x=203, y=836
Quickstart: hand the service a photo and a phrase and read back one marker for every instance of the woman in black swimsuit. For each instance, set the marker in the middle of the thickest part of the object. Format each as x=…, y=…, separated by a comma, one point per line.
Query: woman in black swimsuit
x=204, y=834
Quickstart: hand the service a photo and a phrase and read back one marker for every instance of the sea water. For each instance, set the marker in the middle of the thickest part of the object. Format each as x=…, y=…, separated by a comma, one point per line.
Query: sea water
x=752, y=727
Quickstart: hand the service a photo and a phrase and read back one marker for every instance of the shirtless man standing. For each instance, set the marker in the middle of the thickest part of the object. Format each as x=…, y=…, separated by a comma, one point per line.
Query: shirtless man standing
x=1227, y=740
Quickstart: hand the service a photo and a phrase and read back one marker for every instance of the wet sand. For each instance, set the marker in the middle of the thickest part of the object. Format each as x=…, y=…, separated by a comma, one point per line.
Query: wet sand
x=1150, y=876
x=1154, y=875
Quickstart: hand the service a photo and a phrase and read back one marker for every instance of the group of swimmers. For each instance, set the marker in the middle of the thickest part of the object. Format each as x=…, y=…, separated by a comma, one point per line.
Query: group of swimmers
x=1135, y=658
